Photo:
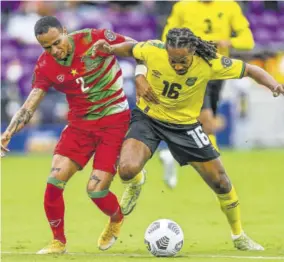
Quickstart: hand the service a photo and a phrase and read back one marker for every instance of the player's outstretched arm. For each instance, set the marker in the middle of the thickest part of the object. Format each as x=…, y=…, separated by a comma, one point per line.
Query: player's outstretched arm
x=264, y=78
x=22, y=117
x=123, y=49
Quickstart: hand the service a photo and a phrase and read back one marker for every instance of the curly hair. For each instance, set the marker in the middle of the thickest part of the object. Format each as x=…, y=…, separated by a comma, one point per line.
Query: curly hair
x=43, y=24
x=184, y=38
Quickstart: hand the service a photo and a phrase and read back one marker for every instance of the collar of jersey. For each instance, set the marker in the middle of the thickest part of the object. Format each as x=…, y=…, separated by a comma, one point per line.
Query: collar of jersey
x=69, y=59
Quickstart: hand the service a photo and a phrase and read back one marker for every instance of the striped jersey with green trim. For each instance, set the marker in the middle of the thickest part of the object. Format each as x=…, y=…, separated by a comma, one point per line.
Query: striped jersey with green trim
x=92, y=83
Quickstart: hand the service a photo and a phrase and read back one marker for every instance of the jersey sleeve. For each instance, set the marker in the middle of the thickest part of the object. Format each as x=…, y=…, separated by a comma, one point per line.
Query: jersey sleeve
x=226, y=68
x=238, y=20
x=143, y=50
x=109, y=36
x=39, y=80
x=240, y=24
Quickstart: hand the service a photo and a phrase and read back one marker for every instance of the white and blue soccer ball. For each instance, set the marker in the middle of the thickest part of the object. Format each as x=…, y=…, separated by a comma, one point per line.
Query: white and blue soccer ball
x=164, y=238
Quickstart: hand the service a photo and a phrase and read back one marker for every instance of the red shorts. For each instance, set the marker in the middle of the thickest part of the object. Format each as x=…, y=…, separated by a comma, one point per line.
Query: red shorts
x=104, y=139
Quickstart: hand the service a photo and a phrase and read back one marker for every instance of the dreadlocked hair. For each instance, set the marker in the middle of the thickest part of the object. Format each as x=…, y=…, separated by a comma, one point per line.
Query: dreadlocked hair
x=183, y=37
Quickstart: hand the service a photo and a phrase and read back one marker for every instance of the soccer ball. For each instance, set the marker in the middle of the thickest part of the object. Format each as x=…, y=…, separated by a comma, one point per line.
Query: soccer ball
x=164, y=238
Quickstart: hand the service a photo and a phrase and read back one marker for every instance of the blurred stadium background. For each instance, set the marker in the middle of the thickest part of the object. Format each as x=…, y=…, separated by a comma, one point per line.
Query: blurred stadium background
x=250, y=118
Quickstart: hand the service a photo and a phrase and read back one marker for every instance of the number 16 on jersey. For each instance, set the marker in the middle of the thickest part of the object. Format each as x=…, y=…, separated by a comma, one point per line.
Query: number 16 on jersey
x=200, y=138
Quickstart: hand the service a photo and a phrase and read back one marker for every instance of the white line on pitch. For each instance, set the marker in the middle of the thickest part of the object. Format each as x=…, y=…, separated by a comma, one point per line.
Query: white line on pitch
x=141, y=255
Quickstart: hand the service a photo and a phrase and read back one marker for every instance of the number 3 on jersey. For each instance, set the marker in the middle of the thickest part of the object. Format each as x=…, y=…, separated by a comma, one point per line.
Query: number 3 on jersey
x=200, y=138
x=80, y=80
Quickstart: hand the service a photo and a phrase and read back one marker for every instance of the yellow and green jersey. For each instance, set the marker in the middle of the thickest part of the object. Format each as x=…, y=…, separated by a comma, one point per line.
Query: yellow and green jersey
x=212, y=21
x=181, y=96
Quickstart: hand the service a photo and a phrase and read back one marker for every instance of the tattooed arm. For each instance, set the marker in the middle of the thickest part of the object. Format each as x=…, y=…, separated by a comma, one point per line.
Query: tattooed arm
x=22, y=117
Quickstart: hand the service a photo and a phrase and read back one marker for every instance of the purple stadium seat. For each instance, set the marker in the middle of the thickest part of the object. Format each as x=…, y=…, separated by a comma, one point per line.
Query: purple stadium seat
x=256, y=6
x=30, y=52
x=9, y=51
x=262, y=36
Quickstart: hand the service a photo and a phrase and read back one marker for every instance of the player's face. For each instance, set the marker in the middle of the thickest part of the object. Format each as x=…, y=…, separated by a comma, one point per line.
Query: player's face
x=55, y=42
x=180, y=59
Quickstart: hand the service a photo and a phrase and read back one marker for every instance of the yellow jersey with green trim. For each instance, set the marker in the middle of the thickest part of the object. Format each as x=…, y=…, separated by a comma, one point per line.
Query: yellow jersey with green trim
x=181, y=96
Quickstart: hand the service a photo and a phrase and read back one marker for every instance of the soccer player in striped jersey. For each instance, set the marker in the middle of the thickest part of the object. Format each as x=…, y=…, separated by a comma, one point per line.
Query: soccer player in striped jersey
x=98, y=119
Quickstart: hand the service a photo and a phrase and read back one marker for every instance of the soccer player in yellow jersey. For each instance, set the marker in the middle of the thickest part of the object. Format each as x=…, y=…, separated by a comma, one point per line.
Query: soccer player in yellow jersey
x=212, y=21
x=178, y=72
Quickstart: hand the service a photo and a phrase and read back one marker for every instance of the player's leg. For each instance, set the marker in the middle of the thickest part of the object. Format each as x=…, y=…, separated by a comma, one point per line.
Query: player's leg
x=62, y=170
x=140, y=144
x=213, y=173
x=110, y=140
x=98, y=191
x=168, y=162
x=190, y=145
x=71, y=154
x=209, y=110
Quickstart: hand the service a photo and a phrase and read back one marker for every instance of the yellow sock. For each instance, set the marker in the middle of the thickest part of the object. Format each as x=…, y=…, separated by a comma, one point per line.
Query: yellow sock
x=230, y=206
x=137, y=180
x=214, y=142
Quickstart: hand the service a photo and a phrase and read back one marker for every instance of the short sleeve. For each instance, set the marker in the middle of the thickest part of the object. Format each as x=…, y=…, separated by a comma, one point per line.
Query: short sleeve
x=40, y=80
x=109, y=36
x=226, y=68
x=238, y=20
x=143, y=50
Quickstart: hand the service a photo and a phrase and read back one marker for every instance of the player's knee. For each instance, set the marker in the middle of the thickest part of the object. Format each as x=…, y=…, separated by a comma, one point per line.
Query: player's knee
x=97, y=187
x=128, y=170
x=222, y=183
x=97, y=194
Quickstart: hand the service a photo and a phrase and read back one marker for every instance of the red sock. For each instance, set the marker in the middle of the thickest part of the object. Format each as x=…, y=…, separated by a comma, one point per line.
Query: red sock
x=54, y=210
x=110, y=206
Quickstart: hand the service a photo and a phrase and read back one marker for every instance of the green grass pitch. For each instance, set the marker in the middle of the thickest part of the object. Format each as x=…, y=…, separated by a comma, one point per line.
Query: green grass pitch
x=257, y=175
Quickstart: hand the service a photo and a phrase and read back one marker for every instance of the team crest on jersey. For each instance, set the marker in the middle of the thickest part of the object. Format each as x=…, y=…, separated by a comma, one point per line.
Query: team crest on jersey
x=156, y=73
x=60, y=78
x=191, y=81
x=109, y=35
x=226, y=61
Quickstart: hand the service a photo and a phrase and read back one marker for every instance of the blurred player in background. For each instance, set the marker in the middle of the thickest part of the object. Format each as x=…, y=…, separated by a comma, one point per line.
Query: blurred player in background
x=178, y=72
x=212, y=21
x=97, y=121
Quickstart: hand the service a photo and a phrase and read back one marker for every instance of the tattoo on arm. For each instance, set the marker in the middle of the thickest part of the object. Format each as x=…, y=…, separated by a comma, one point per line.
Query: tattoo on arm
x=21, y=118
x=24, y=115
x=94, y=177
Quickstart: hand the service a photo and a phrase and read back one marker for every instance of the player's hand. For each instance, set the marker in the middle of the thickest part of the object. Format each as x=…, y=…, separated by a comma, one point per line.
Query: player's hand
x=5, y=139
x=278, y=90
x=224, y=43
x=103, y=46
x=143, y=89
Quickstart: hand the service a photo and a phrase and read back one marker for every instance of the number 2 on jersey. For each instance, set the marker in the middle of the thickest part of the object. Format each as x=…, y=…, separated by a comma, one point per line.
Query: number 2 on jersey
x=80, y=80
x=200, y=138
